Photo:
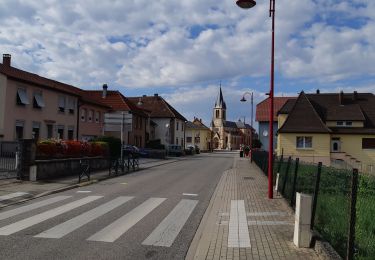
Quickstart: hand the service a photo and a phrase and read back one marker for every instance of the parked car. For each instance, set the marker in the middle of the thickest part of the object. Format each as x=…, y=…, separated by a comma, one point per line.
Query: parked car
x=197, y=150
x=190, y=150
x=174, y=150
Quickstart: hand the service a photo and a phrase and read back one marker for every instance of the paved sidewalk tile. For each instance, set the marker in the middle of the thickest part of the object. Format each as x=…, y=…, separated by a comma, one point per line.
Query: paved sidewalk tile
x=270, y=222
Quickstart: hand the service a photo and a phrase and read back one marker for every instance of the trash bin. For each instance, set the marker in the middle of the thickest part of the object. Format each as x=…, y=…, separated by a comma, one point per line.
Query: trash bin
x=241, y=153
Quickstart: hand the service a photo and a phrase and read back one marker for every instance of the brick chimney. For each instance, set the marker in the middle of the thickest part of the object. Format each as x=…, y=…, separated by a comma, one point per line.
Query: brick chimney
x=355, y=95
x=105, y=88
x=6, y=59
x=341, y=98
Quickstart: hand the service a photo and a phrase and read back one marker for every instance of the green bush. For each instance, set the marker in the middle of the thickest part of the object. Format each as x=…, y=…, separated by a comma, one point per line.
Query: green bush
x=114, y=145
x=155, y=144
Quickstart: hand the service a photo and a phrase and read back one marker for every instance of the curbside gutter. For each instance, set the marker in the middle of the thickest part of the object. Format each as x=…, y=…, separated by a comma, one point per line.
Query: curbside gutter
x=83, y=184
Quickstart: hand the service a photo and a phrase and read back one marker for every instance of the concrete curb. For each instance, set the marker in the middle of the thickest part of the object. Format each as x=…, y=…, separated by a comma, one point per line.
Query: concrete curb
x=78, y=185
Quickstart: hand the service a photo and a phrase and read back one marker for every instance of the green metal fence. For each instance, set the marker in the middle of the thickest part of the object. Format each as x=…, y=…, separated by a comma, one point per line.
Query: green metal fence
x=343, y=208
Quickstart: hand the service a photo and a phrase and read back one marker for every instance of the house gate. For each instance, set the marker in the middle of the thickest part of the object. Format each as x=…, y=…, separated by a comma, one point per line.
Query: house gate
x=8, y=159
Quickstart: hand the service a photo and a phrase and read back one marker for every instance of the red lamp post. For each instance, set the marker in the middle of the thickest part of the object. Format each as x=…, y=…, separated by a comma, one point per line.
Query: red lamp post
x=246, y=4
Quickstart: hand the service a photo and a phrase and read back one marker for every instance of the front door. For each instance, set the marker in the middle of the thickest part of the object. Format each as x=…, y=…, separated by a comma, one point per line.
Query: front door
x=335, y=145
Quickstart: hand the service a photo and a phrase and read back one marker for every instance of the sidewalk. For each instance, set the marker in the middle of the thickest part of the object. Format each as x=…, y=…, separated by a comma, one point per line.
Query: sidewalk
x=15, y=191
x=242, y=223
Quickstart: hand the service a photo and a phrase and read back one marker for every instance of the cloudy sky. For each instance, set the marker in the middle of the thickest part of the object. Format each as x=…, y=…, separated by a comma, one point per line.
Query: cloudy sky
x=183, y=49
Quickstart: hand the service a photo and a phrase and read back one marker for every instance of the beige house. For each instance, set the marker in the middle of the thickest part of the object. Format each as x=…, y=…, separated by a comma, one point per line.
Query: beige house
x=334, y=128
x=197, y=133
x=35, y=107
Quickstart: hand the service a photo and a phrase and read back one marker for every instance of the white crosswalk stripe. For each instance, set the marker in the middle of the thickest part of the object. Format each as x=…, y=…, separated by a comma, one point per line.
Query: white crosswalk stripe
x=28, y=222
x=13, y=195
x=163, y=235
x=77, y=222
x=23, y=209
x=167, y=231
x=113, y=231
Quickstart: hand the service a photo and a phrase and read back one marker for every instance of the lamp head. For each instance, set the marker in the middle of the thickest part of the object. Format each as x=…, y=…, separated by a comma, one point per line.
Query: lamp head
x=243, y=99
x=246, y=4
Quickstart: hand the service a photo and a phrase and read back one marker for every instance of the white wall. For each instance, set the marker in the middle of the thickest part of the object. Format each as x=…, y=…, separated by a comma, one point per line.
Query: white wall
x=161, y=130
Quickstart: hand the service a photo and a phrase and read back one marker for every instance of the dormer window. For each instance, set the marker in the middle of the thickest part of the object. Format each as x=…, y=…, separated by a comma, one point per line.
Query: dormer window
x=344, y=123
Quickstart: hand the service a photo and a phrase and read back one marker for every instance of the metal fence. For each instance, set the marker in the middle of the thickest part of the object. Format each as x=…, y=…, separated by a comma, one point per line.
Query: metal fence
x=343, y=202
x=8, y=159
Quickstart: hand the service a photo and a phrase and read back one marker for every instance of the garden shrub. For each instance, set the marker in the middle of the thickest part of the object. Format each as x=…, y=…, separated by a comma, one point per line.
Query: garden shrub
x=114, y=145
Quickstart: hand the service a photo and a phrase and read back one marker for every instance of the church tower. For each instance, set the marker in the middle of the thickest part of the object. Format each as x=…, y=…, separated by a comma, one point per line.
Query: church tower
x=219, y=113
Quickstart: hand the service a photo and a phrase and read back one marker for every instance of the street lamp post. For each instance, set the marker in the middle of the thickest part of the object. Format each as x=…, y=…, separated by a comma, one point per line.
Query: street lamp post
x=246, y=4
x=243, y=99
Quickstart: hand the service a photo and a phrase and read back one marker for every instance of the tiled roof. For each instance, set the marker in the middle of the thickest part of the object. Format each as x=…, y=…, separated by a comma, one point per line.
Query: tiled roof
x=35, y=79
x=303, y=118
x=328, y=107
x=230, y=124
x=31, y=78
x=196, y=124
x=115, y=100
x=157, y=106
x=262, y=109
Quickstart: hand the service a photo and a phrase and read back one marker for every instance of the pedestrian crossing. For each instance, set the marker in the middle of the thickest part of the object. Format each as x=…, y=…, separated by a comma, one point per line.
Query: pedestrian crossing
x=163, y=234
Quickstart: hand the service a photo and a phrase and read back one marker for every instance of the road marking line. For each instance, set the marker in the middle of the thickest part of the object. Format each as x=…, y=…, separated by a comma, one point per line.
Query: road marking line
x=238, y=231
x=167, y=231
x=13, y=195
x=77, y=222
x=83, y=191
x=28, y=222
x=113, y=231
x=17, y=211
x=190, y=194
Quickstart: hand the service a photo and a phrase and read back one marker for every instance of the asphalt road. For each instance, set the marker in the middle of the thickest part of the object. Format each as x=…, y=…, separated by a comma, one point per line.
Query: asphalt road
x=150, y=214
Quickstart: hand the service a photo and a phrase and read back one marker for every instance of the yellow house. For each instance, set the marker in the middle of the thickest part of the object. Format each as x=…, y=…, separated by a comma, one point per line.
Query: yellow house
x=197, y=133
x=336, y=129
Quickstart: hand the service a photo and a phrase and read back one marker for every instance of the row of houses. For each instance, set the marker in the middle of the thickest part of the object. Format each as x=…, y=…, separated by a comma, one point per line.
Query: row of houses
x=35, y=107
x=333, y=128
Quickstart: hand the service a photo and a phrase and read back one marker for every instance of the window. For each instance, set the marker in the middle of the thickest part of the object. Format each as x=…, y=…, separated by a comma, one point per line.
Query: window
x=176, y=140
x=176, y=126
x=19, y=129
x=60, y=132
x=70, y=132
x=91, y=113
x=368, y=143
x=61, y=104
x=83, y=114
x=71, y=105
x=36, y=130
x=22, y=97
x=344, y=123
x=197, y=138
x=182, y=142
x=49, y=131
x=189, y=139
x=217, y=113
x=223, y=114
x=97, y=117
x=303, y=142
x=38, y=101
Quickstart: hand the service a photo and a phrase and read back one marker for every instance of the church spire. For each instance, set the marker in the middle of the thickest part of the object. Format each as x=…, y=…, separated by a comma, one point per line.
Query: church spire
x=220, y=100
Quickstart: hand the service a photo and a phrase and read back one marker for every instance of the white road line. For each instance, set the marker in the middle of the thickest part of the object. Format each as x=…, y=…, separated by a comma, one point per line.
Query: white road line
x=83, y=191
x=190, y=194
x=113, y=231
x=77, y=222
x=238, y=231
x=167, y=231
x=20, y=210
x=28, y=222
x=13, y=195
